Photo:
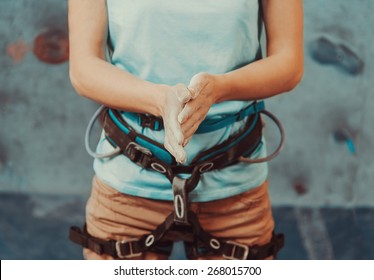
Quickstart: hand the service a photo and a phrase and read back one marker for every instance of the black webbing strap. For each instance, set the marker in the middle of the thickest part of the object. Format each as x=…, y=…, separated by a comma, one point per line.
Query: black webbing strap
x=99, y=246
x=181, y=201
x=229, y=249
x=202, y=243
x=236, y=251
x=128, y=248
x=151, y=122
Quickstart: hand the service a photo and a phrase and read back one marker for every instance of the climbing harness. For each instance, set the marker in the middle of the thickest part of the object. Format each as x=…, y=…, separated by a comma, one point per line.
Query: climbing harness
x=151, y=155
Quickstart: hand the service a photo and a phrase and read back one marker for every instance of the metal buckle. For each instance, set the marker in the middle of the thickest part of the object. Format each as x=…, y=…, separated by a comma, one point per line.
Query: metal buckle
x=231, y=257
x=206, y=167
x=214, y=243
x=146, y=121
x=158, y=167
x=150, y=240
x=179, y=207
x=139, y=148
x=128, y=256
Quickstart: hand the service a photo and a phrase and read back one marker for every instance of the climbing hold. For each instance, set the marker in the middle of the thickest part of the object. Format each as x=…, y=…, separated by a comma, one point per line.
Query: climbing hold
x=325, y=51
x=17, y=51
x=343, y=136
x=300, y=187
x=52, y=46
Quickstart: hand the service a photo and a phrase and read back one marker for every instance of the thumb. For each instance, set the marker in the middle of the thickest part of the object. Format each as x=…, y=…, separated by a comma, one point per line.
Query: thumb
x=197, y=83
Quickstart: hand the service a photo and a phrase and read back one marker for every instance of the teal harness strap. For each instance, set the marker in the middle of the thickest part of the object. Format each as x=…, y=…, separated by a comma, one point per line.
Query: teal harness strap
x=156, y=149
x=208, y=125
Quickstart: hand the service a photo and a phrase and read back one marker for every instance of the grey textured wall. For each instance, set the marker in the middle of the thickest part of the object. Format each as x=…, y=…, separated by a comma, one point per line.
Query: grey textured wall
x=42, y=119
x=322, y=182
x=328, y=118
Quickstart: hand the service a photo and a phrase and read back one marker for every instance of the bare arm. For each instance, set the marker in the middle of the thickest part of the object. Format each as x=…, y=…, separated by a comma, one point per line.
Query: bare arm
x=92, y=76
x=279, y=72
x=95, y=78
x=282, y=69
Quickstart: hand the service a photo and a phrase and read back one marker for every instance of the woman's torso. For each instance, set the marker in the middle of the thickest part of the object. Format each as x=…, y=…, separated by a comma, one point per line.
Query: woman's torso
x=168, y=42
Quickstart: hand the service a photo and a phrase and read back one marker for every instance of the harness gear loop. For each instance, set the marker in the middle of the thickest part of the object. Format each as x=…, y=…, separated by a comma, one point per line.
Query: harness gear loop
x=87, y=136
x=277, y=150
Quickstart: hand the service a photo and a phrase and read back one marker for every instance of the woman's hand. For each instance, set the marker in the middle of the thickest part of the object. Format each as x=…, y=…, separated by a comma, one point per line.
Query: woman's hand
x=203, y=88
x=175, y=98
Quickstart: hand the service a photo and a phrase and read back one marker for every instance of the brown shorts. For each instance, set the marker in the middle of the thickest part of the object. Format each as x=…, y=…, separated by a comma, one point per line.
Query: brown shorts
x=245, y=218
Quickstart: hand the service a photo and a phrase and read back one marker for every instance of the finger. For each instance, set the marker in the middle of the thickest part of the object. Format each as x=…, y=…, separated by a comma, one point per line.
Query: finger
x=174, y=148
x=188, y=111
x=175, y=129
x=176, y=151
x=187, y=141
x=179, y=152
x=168, y=147
x=183, y=93
x=193, y=92
x=191, y=129
x=184, y=114
x=195, y=119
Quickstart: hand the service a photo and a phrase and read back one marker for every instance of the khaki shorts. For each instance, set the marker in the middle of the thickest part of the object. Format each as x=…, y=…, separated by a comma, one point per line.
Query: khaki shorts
x=245, y=218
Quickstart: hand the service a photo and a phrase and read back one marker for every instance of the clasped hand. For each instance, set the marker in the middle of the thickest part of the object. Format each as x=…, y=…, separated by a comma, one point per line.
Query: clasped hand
x=184, y=109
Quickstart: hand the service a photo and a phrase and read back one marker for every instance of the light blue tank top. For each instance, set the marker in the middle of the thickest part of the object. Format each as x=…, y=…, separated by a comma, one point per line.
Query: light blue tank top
x=169, y=41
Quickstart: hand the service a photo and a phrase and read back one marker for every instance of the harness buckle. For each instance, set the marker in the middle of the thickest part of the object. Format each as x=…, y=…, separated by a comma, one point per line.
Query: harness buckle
x=149, y=122
x=131, y=249
x=206, y=167
x=137, y=147
x=158, y=167
x=234, y=250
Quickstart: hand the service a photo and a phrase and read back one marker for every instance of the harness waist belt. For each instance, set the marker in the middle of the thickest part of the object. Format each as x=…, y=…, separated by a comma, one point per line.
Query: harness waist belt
x=208, y=125
x=152, y=155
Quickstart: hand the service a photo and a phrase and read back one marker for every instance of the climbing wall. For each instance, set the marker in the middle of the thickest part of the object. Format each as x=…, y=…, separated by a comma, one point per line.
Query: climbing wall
x=322, y=181
x=328, y=118
x=42, y=119
x=328, y=159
